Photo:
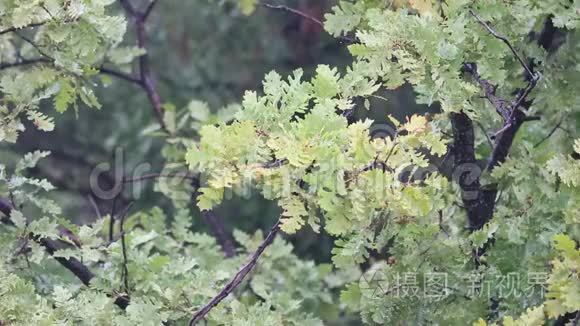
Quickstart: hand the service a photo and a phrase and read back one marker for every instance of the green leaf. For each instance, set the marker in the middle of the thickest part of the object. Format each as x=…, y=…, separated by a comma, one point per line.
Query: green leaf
x=351, y=296
x=30, y=160
x=199, y=110
x=209, y=197
x=18, y=219
x=293, y=216
x=326, y=82
x=565, y=244
x=480, y=237
x=247, y=6
x=65, y=96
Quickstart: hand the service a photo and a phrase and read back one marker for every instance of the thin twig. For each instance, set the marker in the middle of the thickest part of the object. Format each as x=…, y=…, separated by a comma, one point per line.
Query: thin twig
x=522, y=96
x=485, y=133
x=146, y=75
x=128, y=7
x=297, y=12
x=14, y=29
x=441, y=227
x=146, y=79
x=294, y=11
x=35, y=46
x=147, y=82
x=112, y=219
x=238, y=278
x=382, y=98
x=479, y=201
x=158, y=176
x=23, y=62
x=149, y=9
x=550, y=133
x=108, y=243
x=125, y=274
x=51, y=246
x=48, y=60
x=503, y=39
x=120, y=75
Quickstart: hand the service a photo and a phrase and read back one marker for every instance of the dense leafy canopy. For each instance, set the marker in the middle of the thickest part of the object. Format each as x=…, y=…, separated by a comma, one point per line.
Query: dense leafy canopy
x=433, y=221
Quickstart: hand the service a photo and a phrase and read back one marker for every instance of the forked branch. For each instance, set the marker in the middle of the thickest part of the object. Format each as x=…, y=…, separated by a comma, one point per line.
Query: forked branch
x=51, y=246
x=480, y=201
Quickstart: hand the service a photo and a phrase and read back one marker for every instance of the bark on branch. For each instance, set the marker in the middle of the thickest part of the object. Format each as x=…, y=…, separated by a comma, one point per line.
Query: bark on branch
x=14, y=29
x=47, y=60
x=81, y=271
x=146, y=78
x=480, y=201
x=238, y=278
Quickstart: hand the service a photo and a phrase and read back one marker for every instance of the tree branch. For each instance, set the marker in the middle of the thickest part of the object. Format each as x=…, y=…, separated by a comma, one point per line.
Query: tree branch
x=148, y=83
x=6, y=209
x=550, y=133
x=480, y=201
x=238, y=278
x=23, y=62
x=149, y=9
x=14, y=29
x=501, y=106
x=51, y=246
x=48, y=59
x=72, y=264
x=503, y=39
x=213, y=221
x=125, y=275
x=160, y=176
x=145, y=74
x=510, y=111
x=120, y=75
x=468, y=178
x=297, y=12
x=128, y=7
x=102, y=70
